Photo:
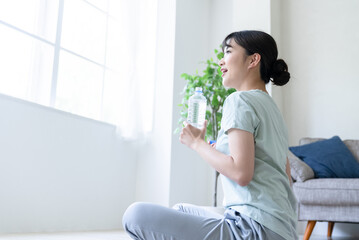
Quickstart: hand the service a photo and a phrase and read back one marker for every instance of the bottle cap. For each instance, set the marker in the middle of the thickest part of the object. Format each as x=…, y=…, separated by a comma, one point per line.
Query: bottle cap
x=198, y=89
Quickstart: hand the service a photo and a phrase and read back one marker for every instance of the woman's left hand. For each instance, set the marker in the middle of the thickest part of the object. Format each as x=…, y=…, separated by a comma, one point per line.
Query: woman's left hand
x=190, y=135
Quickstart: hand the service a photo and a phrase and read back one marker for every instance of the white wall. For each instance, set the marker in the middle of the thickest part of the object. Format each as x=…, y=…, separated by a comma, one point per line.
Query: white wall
x=61, y=172
x=320, y=43
x=252, y=15
x=319, y=40
x=221, y=22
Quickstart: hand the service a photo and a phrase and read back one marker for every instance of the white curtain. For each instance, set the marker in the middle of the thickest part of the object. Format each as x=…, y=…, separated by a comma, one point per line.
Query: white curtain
x=131, y=89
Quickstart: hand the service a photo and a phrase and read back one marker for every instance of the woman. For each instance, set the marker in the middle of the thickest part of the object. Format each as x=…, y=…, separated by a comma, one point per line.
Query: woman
x=250, y=155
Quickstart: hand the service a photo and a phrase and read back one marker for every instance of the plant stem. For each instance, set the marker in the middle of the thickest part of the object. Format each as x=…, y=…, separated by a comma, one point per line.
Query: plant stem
x=214, y=124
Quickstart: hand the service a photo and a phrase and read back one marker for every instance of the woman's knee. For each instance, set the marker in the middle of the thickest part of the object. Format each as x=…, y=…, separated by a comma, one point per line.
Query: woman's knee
x=134, y=214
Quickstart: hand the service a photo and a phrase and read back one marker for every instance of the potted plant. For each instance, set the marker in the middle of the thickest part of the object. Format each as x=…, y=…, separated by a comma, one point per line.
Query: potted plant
x=215, y=93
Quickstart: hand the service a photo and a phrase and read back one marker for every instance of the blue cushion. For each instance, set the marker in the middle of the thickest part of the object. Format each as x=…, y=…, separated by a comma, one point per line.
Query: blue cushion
x=328, y=158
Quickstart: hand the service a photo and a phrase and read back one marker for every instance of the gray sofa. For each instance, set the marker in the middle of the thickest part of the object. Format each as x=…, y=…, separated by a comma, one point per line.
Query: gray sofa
x=324, y=199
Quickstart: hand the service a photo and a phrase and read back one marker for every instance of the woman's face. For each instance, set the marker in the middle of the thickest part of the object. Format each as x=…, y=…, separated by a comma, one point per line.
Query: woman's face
x=234, y=65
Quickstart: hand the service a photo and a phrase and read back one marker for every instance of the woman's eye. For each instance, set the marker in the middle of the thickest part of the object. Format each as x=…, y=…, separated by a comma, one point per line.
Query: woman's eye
x=227, y=51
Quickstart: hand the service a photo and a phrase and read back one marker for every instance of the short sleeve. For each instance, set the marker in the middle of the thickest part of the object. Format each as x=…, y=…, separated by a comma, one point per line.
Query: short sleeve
x=237, y=113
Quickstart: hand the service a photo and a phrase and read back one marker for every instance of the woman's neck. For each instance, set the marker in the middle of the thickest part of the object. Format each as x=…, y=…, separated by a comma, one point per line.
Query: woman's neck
x=252, y=85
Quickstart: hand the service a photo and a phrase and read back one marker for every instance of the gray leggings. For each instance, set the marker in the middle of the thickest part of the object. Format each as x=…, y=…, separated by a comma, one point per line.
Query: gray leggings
x=188, y=222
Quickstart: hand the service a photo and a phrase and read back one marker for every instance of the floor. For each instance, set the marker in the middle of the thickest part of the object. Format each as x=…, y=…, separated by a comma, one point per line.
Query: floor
x=105, y=235
x=98, y=235
x=333, y=238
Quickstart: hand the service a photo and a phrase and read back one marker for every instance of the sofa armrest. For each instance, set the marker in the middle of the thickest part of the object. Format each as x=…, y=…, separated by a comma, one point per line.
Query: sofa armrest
x=299, y=170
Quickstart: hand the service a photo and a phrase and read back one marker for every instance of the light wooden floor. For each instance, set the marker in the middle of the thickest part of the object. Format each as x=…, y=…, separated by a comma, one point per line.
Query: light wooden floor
x=105, y=235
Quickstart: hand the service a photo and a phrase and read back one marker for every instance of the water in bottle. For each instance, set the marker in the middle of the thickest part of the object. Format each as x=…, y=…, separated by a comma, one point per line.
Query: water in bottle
x=197, y=105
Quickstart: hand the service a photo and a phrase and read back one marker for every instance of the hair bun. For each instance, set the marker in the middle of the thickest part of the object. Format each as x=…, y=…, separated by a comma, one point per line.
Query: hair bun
x=280, y=75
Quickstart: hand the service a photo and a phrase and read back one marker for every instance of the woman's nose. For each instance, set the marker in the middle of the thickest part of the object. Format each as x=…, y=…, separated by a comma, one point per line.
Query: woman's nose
x=221, y=62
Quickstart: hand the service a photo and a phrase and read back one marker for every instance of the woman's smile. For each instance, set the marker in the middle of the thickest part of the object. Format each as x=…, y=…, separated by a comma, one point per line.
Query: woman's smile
x=224, y=70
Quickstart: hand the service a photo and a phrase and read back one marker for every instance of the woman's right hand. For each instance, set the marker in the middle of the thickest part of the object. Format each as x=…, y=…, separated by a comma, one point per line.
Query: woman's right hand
x=191, y=135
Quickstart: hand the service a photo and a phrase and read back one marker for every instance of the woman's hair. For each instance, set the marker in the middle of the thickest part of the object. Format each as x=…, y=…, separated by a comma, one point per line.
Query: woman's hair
x=271, y=68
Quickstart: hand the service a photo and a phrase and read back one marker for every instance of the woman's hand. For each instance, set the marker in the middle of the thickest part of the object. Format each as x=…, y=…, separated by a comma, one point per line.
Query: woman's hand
x=190, y=135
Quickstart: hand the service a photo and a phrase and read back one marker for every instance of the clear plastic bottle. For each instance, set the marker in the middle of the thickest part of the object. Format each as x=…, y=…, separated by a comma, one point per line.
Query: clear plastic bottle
x=197, y=105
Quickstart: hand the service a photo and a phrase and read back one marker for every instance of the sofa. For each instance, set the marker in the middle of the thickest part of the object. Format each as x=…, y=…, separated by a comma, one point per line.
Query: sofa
x=324, y=199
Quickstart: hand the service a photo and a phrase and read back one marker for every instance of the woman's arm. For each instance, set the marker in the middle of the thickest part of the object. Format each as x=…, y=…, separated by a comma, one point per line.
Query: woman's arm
x=238, y=166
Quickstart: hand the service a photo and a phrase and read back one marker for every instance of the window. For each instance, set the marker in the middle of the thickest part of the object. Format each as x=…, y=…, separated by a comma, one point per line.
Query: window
x=93, y=58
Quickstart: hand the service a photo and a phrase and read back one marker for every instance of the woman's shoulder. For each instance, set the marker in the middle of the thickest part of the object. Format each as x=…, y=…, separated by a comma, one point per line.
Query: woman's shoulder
x=234, y=98
x=245, y=96
x=238, y=101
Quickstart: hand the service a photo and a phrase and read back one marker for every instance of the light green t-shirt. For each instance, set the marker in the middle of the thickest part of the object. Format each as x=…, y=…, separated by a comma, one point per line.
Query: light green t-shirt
x=268, y=198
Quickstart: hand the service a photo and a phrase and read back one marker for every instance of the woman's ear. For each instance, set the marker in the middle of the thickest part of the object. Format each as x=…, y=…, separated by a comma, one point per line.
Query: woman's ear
x=254, y=60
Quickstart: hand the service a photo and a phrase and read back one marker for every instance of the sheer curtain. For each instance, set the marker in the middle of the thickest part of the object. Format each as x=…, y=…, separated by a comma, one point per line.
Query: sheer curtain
x=137, y=44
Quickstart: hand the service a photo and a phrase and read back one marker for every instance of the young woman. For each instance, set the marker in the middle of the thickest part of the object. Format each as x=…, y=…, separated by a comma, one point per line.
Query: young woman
x=250, y=155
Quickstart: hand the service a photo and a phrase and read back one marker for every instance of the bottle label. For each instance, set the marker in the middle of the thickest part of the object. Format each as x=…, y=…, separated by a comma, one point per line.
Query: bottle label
x=195, y=112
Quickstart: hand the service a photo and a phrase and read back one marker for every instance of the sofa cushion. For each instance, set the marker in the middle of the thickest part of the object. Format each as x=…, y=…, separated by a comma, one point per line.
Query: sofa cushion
x=328, y=158
x=353, y=146
x=299, y=170
x=327, y=191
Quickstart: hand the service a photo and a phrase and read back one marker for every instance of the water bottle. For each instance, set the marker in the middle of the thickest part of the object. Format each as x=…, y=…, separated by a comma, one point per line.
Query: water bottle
x=197, y=105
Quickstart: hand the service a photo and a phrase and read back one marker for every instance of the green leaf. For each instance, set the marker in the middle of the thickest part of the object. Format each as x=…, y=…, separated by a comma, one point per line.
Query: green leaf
x=220, y=55
x=215, y=100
